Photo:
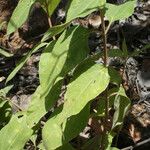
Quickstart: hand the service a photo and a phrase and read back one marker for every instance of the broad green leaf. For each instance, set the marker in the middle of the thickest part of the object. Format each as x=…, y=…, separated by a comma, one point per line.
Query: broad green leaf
x=42, y=102
x=15, y=134
x=54, y=31
x=70, y=49
x=60, y=133
x=117, y=12
x=4, y=53
x=52, y=4
x=81, y=8
x=49, y=5
x=24, y=60
x=57, y=59
x=121, y=105
x=89, y=81
x=19, y=15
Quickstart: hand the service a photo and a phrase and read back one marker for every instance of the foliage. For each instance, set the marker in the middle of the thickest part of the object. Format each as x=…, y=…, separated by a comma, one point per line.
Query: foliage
x=68, y=54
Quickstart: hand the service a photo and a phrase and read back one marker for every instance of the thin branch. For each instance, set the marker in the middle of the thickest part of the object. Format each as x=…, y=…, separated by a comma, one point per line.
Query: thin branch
x=106, y=91
x=137, y=144
x=107, y=29
x=49, y=18
x=104, y=38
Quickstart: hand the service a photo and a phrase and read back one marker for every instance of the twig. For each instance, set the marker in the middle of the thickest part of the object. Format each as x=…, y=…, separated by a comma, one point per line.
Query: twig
x=137, y=145
x=104, y=36
x=49, y=18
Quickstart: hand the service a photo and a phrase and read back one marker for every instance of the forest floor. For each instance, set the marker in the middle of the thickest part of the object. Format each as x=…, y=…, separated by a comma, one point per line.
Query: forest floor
x=136, y=78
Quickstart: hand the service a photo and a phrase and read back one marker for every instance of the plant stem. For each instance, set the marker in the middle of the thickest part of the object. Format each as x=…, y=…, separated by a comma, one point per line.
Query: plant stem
x=104, y=36
x=105, y=60
x=49, y=18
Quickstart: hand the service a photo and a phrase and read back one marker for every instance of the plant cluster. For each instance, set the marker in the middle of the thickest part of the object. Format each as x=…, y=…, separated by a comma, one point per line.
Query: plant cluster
x=66, y=52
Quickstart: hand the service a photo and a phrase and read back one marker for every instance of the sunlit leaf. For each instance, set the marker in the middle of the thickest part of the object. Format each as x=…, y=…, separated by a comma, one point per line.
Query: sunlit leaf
x=81, y=8
x=117, y=12
x=20, y=15
x=54, y=31
x=56, y=61
x=15, y=134
x=89, y=81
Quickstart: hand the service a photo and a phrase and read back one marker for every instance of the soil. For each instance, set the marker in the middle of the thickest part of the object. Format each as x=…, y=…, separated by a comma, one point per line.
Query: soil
x=136, y=31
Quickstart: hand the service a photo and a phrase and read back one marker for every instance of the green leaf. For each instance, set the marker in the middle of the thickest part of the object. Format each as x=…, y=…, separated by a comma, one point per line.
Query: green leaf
x=5, y=90
x=89, y=81
x=24, y=60
x=81, y=8
x=118, y=12
x=19, y=15
x=124, y=47
x=4, y=53
x=5, y=111
x=54, y=31
x=15, y=134
x=62, y=132
x=109, y=139
x=115, y=78
x=121, y=105
x=52, y=4
x=70, y=49
x=56, y=61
